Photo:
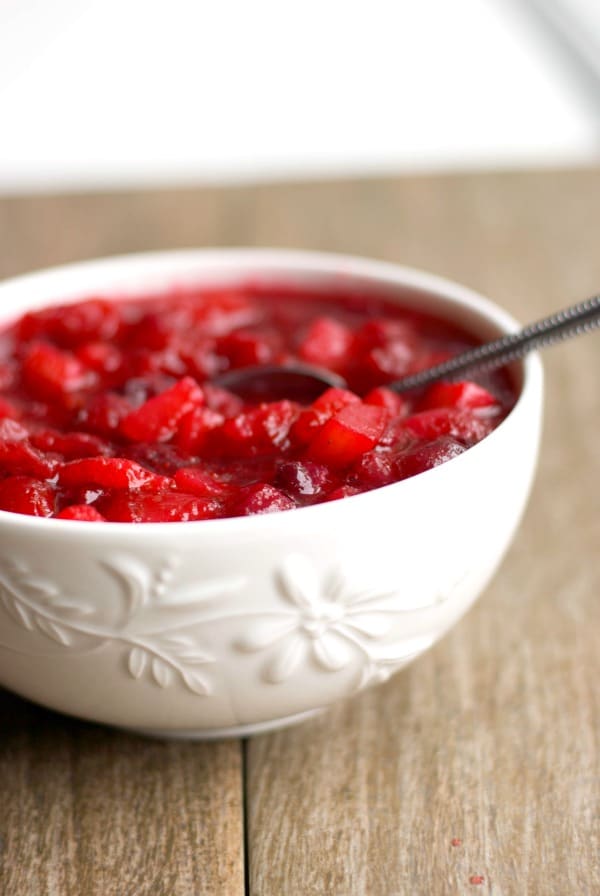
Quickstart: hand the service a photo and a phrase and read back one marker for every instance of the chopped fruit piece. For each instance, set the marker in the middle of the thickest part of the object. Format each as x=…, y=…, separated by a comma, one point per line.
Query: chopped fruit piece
x=465, y=395
x=166, y=507
x=102, y=357
x=320, y=411
x=381, y=331
x=245, y=349
x=303, y=478
x=260, y=430
x=8, y=409
x=157, y=419
x=85, y=513
x=344, y=491
x=202, y=482
x=21, y=494
x=352, y=431
x=396, y=435
x=461, y=425
x=52, y=373
x=261, y=498
x=70, y=444
x=390, y=362
x=108, y=472
x=70, y=325
x=425, y=457
x=373, y=470
x=327, y=344
x=395, y=404
x=222, y=401
x=11, y=431
x=18, y=456
x=220, y=312
x=193, y=429
x=8, y=375
x=103, y=413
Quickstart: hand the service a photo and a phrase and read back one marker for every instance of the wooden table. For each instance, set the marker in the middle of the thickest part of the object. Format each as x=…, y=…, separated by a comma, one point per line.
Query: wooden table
x=476, y=770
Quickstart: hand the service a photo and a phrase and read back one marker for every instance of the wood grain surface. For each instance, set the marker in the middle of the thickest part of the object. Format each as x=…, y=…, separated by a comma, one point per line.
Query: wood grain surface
x=477, y=769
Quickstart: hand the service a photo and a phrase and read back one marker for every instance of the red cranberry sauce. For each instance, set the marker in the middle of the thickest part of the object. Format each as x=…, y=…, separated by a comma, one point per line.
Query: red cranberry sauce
x=107, y=411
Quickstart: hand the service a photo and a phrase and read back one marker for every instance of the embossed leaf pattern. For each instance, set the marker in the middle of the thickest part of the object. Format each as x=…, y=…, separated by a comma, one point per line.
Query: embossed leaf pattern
x=53, y=630
x=162, y=657
x=16, y=611
x=161, y=673
x=135, y=580
x=196, y=683
x=137, y=662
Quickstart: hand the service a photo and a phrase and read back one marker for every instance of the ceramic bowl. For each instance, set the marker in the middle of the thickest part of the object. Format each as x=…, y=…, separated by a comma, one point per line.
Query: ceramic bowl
x=234, y=626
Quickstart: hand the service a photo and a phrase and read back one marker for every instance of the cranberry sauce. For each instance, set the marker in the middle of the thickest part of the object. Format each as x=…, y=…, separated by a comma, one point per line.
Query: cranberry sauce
x=107, y=411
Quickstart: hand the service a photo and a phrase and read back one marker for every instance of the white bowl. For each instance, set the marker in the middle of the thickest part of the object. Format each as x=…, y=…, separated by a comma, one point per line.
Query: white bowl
x=229, y=627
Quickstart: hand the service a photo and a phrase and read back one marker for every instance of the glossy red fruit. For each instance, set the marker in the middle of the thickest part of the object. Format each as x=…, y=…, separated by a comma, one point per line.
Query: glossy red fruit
x=70, y=325
x=221, y=311
x=8, y=374
x=311, y=419
x=202, y=482
x=373, y=470
x=420, y=458
x=260, y=498
x=222, y=401
x=344, y=491
x=23, y=494
x=84, y=513
x=258, y=431
x=109, y=472
x=104, y=358
x=465, y=395
x=352, y=431
x=194, y=429
x=303, y=479
x=157, y=418
x=396, y=405
x=460, y=424
x=52, y=373
x=166, y=507
x=103, y=413
x=17, y=455
x=396, y=435
x=8, y=409
x=12, y=431
x=327, y=343
x=245, y=348
x=70, y=444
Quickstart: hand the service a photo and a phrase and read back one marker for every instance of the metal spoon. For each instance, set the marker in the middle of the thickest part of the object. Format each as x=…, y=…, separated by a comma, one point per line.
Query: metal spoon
x=305, y=381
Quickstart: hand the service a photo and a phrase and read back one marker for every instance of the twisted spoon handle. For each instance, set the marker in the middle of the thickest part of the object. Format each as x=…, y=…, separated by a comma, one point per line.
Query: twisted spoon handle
x=573, y=321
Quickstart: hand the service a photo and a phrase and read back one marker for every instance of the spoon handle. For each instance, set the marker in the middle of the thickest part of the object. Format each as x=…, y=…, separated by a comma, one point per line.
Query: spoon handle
x=573, y=321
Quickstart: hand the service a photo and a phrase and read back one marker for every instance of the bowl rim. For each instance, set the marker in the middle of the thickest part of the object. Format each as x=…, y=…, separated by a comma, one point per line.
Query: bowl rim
x=290, y=260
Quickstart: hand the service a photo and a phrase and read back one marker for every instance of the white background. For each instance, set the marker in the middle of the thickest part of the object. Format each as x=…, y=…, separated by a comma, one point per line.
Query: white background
x=100, y=93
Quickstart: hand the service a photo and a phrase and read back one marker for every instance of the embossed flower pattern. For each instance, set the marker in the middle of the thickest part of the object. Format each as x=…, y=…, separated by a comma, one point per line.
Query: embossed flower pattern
x=331, y=624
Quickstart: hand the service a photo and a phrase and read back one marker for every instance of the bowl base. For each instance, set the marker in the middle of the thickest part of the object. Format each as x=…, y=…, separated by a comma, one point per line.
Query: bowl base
x=222, y=733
